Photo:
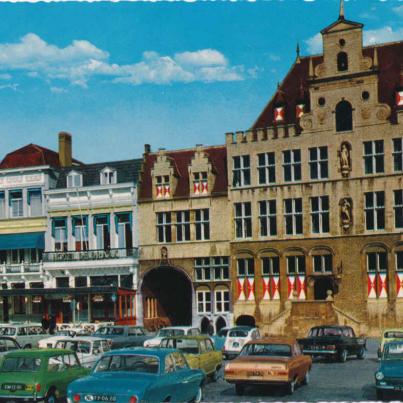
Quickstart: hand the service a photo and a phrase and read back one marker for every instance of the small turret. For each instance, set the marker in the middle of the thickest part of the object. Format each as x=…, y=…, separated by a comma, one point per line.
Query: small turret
x=279, y=106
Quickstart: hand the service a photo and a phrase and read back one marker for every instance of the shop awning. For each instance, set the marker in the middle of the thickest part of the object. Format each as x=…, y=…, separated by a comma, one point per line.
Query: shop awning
x=63, y=291
x=29, y=240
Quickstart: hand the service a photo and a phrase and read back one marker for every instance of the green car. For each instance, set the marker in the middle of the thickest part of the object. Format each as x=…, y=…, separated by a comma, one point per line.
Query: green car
x=37, y=375
x=199, y=352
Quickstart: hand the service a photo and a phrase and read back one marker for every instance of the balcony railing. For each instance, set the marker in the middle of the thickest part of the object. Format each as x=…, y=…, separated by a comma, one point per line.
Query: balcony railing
x=95, y=254
x=21, y=268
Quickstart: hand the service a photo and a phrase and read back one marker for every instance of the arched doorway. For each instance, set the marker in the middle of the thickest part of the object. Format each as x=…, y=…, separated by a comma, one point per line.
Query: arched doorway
x=204, y=324
x=167, y=298
x=321, y=286
x=220, y=323
x=246, y=320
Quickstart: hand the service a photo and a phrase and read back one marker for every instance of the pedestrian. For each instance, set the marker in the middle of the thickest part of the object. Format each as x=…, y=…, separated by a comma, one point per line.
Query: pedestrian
x=210, y=328
x=52, y=324
x=45, y=323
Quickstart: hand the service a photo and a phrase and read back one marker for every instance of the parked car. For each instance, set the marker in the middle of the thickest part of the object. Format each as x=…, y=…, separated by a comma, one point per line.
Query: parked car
x=199, y=352
x=389, y=375
x=8, y=344
x=389, y=335
x=139, y=374
x=335, y=342
x=219, y=338
x=38, y=374
x=26, y=335
x=123, y=336
x=50, y=342
x=169, y=332
x=237, y=337
x=269, y=362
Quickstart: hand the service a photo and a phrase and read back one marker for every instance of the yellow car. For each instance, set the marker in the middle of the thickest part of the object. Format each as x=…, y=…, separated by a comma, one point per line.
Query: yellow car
x=389, y=335
x=199, y=352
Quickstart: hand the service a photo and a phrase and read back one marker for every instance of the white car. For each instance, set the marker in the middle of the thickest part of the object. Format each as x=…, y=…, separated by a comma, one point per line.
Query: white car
x=237, y=337
x=171, y=331
x=27, y=335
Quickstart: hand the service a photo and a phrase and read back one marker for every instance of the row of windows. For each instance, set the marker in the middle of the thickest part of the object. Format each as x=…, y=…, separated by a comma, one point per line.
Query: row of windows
x=212, y=268
x=319, y=211
x=184, y=220
x=107, y=176
x=21, y=203
x=373, y=154
x=207, y=299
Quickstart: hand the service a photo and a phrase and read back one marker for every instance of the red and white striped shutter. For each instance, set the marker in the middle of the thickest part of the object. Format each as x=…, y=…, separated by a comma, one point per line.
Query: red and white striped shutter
x=196, y=188
x=275, y=287
x=371, y=285
x=241, y=291
x=301, y=287
x=291, y=282
x=399, y=98
x=299, y=110
x=159, y=191
x=204, y=187
x=167, y=191
x=266, y=288
x=399, y=285
x=251, y=288
x=279, y=114
x=382, y=285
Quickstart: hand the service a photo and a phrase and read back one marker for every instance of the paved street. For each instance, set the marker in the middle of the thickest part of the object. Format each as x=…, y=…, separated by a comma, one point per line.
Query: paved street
x=353, y=380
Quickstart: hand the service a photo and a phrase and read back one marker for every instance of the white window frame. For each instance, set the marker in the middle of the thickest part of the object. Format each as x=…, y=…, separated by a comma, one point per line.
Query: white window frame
x=298, y=264
x=268, y=221
x=373, y=157
x=204, y=302
x=293, y=164
x=243, y=220
x=17, y=205
x=40, y=212
x=322, y=263
x=224, y=300
x=203, y=223
x=74, y=179
x=108, y=176
x=249, y=265
x=322, y=167
x=3, y=205
x=270, y=260
x=241, y=171
x=268, y=167
x=182, y=225
x=166, y=225
x=294, y=214
x=397, y=154
x=376, y=209
x=321, y=213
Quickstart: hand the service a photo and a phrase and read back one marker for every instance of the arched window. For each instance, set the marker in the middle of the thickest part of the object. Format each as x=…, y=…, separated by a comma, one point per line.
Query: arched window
x=342, y=61
x=344, y=116
x=108, y=176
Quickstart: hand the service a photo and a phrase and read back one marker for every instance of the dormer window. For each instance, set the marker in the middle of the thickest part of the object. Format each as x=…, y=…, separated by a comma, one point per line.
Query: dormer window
x=342, y=61
x=163, y=188
x=200, y=183
x=74, y=179
x=108, y=176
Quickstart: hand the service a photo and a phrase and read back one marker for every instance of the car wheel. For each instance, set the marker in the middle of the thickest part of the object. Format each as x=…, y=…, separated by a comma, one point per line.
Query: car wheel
x=379, y=394
x=291, y=387
x=361, y=353
x=239, y=389
x=306, y=378
x=199, y=397
x=51, y=397
x=343, y=355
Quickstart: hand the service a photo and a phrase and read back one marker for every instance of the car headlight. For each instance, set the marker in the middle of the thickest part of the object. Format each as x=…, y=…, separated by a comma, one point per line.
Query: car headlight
x=379, y=376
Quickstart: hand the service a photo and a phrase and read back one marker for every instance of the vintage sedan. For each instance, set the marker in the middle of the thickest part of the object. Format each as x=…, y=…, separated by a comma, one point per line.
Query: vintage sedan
x=8, y=344
x=236, y=338
x=269, y=362
x=38, y=374
x=389, y=376
x=389, y=335
x=123, y=336
x=139, y=374
x=199, y=352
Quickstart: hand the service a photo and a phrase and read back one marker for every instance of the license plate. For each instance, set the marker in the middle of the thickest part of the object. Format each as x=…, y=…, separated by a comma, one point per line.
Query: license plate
x=13, y=386
x=235, y=344
x=254, y=373
x=100, y=398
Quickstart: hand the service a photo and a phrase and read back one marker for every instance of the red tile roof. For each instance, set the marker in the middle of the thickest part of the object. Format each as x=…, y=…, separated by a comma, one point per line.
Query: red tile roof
x=31, y=155
x=181, y=160
x=390, y=60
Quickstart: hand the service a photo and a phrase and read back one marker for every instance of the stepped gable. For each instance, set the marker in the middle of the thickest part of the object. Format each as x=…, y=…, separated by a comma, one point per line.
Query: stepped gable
x=181, y=160
x=390, y=63
x=32, y=155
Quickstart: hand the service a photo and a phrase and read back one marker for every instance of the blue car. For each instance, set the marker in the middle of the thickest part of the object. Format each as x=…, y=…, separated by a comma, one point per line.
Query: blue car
x=389, y=376
x=139, y=374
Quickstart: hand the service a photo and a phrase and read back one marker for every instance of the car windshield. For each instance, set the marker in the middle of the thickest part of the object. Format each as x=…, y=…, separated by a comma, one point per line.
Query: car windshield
x=393, y=335
x=110, y=330
x=267, y=350
x=126, y=362
x=21, y=364
x=171, y=332
x=393, y=352
x=8, y=331
x=187, y=346
x=77, y=346
x=238, y=333
x=325, y=331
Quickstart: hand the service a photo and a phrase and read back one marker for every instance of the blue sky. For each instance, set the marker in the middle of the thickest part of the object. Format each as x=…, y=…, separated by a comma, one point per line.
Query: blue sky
x=118, y=75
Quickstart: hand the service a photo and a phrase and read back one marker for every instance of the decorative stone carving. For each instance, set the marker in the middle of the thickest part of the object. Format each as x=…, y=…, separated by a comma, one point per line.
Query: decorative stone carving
x=365, y=113
x=346, y=213
x=366, y=63
x=321, y=117
x=383, y=112
x=320, y=70
x=306, y=122
x=345, y=159
x=164, y=254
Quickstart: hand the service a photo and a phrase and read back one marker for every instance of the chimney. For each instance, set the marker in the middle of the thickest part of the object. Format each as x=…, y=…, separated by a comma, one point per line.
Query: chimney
x=147, y=148
x=65, y=149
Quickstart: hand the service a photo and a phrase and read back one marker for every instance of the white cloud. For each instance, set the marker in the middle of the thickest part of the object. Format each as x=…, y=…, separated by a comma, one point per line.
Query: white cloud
x=398, y=10
x=58, y=90
x=314, y=44
x=5, y=77
x=78, y=62
x=13, y=87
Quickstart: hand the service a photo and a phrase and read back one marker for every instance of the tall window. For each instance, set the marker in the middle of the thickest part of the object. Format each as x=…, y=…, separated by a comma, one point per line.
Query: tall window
x=398, y=155
x=202, y=224
x=293, y=216
x=16, y=203
x=59, y=229
x=375, y=210
x=124, y=229
x=183, y=226
x=108, y=176
x=74, y=179
x=344, y=116
x=399, y=261
x=245, y=267
x=320, y=214
x=203, y=300
x=318, y=162
x=212, y=268
x=220, y=267
x=398, y=208
x=221, y=300
x=241, y=171
x=200, y=183
x=342, y=61
x=80, y=233
x=243, y=220
x=295, y=265
x=322, y=263
x=266, y=167
x=35, y=202
x=2, y=205
x=373, y=157
x=101, y=224
x=203, y=269
x=267, y=218
x=164, y=227
x=271, y=266
x=292, y=165
x=163, y=187
x=377, y=264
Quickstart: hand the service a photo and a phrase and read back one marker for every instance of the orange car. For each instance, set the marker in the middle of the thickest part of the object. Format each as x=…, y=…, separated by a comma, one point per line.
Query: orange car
x=273, y=361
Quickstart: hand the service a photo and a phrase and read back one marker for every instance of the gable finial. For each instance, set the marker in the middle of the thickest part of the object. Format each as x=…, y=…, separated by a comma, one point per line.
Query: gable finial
x=341, y=12
x=298, y=59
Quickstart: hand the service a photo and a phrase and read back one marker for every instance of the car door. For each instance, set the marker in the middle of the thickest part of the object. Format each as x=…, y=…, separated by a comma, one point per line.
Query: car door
x=214, y=357
x=205, y=364
x=168, y=382
x=184, y=376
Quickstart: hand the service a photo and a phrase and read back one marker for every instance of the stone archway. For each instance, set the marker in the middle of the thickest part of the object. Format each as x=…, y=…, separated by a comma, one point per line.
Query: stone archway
x=220, y=323
x=167, y=298
x=204, y=325
x=246, y=320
